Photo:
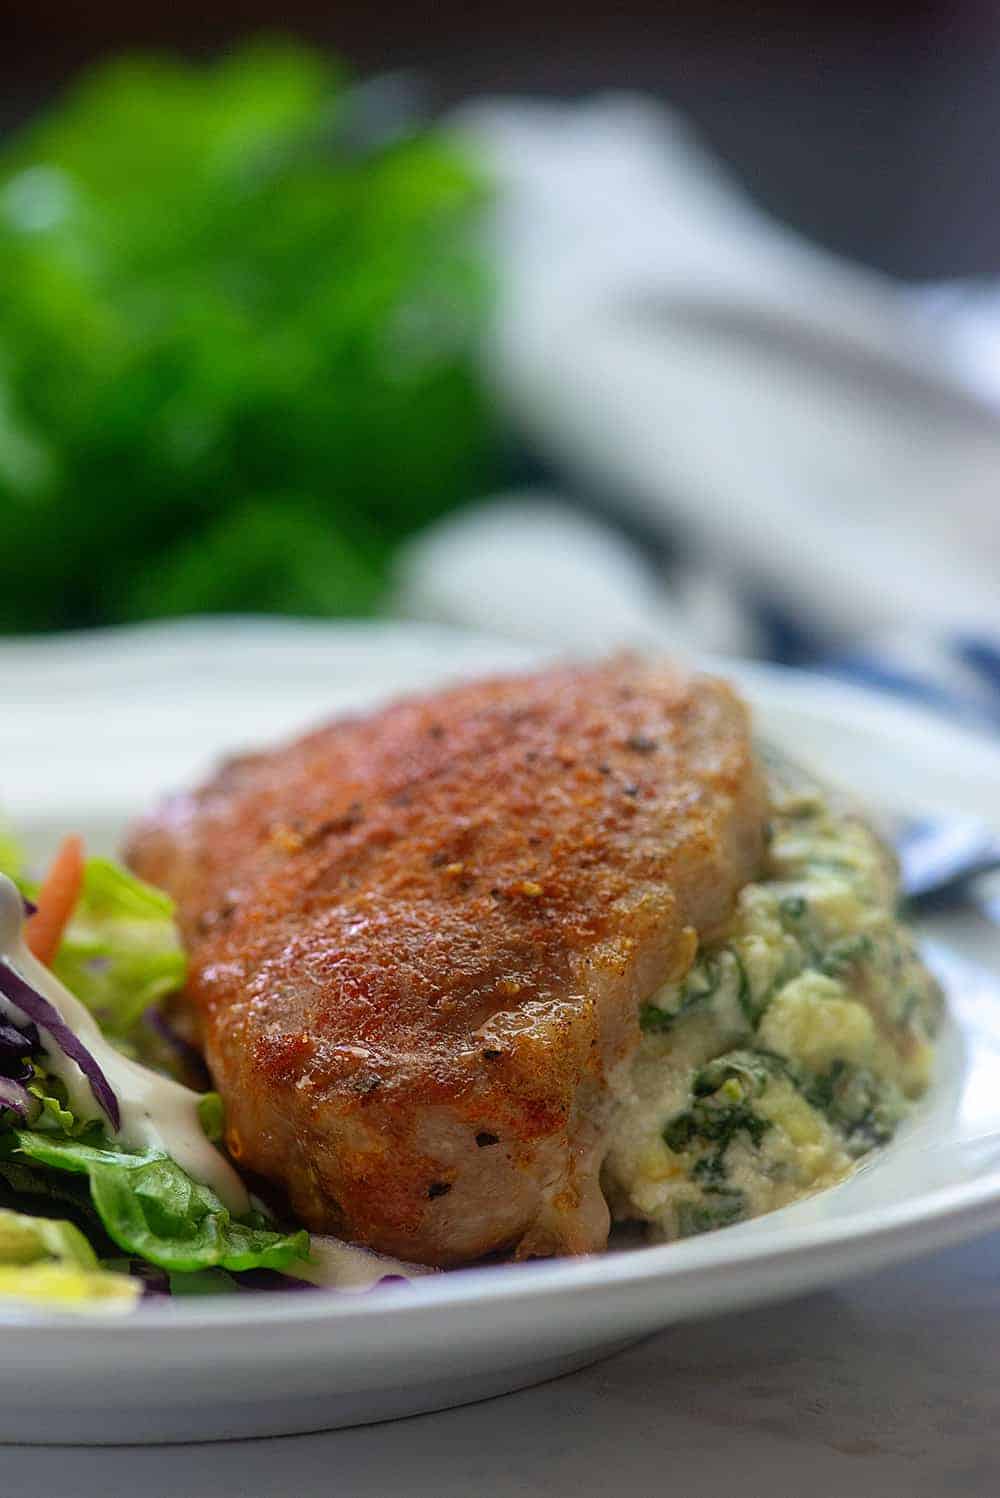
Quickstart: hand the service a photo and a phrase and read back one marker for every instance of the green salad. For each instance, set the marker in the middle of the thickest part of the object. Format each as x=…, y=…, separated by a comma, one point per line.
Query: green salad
x=87, y=1219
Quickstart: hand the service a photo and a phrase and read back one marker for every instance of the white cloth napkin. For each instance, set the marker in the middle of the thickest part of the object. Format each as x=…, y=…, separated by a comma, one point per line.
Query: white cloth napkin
x=801, y=429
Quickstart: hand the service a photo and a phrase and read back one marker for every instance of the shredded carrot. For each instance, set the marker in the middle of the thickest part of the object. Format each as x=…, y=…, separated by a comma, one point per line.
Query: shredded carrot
x=56, y=900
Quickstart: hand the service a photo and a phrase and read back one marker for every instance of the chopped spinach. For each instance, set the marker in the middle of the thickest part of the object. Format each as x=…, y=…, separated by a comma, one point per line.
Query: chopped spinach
x=745, y=993
x=679, y=1132
x=861, y=1108
x=834, y=866
x=701, y=985
x=710, y=1122
x=711, y=975
x=719, y=1112
x=819, y=1093
x=653, y=1020
x=702, y=1217
x=752, y=1069
x=847, y=953
x=912, y=1004
x=802, y=807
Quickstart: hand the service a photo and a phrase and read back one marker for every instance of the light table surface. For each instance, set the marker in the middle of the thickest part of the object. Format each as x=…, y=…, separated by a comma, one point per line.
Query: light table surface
x=888, y=1388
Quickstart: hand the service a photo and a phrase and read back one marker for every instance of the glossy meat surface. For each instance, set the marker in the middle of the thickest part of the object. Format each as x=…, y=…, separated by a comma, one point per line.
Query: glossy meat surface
x=418, y=942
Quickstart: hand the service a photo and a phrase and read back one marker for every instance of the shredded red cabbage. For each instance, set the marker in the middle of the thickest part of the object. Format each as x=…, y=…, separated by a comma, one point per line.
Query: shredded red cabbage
x=30, y=908
x=16, y=1050
x=16, y=1043
x=44, y=1014
x=155, y=1282
x=15, y=1097
x=270, y=1279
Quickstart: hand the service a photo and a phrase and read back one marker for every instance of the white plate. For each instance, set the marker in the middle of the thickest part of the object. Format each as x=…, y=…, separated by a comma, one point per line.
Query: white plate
x=94, y=726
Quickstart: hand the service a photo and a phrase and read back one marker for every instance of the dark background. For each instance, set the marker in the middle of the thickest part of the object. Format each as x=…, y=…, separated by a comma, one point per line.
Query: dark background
x=871, y=128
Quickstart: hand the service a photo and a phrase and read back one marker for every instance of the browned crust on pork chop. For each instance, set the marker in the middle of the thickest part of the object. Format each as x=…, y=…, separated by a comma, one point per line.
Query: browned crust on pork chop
x=419, y=940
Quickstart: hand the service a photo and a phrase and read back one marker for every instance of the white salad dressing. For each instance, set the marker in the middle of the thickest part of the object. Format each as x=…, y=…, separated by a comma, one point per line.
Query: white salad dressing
x=337, y=1265
x=156, y=1113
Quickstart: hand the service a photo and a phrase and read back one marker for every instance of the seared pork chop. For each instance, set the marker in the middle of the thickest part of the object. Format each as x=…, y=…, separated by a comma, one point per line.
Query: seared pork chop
x=419, y=940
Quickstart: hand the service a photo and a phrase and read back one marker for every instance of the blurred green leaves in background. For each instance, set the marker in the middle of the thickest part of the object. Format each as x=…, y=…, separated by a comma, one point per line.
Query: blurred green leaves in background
x=236, y=344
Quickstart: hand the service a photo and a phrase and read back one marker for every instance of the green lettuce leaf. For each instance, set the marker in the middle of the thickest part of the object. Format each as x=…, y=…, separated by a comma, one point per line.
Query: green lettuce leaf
x=212, y=1116
x=13, y=862
x=54, y=1116
x=121, y=952
x=68, y=1287
x=50, y=1191
x=151, y=1208
x=46, y=1261
x=25, y=1240
x=11, y=855
x=203, y=1282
